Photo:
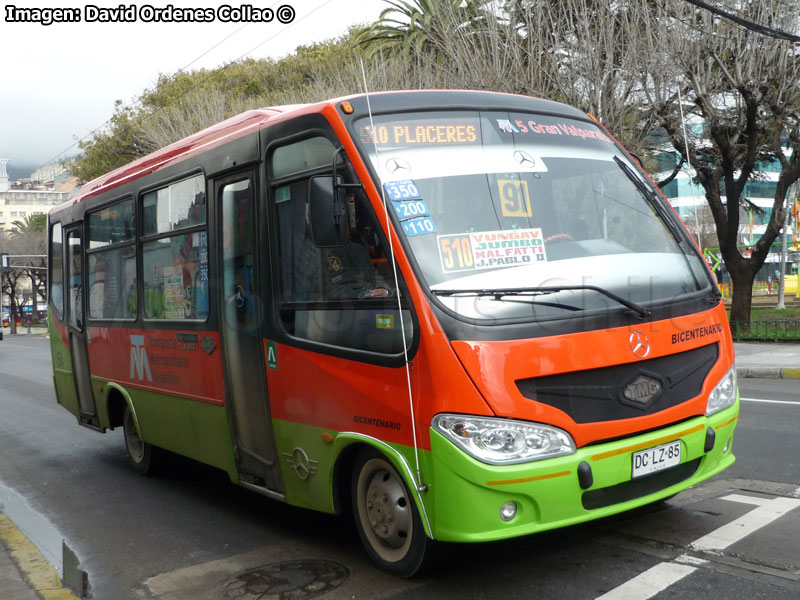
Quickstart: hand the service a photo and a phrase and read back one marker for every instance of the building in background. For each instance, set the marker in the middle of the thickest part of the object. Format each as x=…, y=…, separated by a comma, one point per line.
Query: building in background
x=50, y=173
x=46, y=188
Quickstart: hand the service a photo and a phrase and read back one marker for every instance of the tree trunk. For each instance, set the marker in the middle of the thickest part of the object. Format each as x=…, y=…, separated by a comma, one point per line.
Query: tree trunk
x=742, y=281
x=35, y=305
x=13, y=322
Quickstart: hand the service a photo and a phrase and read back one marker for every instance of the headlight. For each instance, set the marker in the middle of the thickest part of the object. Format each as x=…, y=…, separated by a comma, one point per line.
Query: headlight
x=503, y=441
x=724, y=394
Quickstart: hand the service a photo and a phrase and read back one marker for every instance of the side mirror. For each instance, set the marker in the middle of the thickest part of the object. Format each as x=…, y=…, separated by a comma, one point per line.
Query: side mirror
x=327, y=212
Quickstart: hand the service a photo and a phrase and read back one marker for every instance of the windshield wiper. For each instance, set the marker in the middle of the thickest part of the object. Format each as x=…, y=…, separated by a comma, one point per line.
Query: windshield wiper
x=631, y=174
x=666, y=216
x=652, y=197
x=499, y=293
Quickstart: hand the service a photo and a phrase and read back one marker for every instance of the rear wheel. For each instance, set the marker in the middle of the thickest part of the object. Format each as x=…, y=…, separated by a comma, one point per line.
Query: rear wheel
x=386, y=516
x=141, y=455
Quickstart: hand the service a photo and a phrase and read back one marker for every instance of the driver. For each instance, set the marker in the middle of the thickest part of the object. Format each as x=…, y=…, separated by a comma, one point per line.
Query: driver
x=341, y=272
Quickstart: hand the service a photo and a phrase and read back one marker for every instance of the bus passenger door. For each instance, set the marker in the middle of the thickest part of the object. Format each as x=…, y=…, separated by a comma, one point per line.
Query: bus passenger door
x=76, y=326
x=240, y=328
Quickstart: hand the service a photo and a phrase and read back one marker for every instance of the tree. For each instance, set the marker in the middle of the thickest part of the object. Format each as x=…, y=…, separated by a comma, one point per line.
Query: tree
x=422, y=27
x=110, y=147
x=745, y=89
x=28, y=240
x=29, y=224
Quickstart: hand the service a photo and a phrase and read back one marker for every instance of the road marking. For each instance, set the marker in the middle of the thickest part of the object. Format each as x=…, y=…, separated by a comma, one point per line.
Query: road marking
x=658, y=578
x=686, y=559
x=747, y=499
x=649, y=583
x=729, y=534
x=770, y=401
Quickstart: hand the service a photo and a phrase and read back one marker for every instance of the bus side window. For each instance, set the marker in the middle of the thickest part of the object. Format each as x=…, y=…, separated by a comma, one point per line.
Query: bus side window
x=111, y=271
x=56, y=298
x=175, y=251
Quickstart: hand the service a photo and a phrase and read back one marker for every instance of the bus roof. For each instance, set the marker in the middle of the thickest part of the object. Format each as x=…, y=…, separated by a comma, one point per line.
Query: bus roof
x=253, y=120
x=246, y=122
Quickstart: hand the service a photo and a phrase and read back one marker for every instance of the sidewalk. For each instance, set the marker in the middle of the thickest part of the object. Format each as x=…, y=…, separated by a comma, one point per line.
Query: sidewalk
x=23, y=331
x=767, y=360
x=24, y=573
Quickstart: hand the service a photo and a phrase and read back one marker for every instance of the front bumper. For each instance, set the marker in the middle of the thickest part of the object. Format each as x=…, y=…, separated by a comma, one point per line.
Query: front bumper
x=468, y=494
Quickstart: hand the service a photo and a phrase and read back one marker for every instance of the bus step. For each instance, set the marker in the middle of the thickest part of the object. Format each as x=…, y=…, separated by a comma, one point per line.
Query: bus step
x=251, y=479
x=91, y=421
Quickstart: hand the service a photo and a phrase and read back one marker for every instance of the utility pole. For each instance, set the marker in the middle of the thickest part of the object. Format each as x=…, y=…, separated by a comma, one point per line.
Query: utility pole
x=789, y=203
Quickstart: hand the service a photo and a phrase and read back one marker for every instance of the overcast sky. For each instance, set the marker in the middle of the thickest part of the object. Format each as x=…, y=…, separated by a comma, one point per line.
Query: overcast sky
x=59, y=82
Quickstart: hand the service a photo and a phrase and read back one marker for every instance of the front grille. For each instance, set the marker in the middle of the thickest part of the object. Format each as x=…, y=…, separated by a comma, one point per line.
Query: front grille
x=610, y=393
x=638, y=488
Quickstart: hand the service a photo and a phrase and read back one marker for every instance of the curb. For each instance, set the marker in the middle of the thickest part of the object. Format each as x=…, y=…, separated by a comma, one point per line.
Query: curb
x=37, y=571
x=768, y=373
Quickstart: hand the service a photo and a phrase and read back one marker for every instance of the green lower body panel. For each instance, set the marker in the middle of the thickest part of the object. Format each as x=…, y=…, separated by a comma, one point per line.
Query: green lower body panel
x=65, y=391
x=195, y=429
x=308, y=457
x=462, y=497
x=307, y=463
x=465, y=495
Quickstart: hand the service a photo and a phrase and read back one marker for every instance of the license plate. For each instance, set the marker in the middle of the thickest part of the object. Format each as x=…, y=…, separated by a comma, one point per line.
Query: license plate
x=656, y=459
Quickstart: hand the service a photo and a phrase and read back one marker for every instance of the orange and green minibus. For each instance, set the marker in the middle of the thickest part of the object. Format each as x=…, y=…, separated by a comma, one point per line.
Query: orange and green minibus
x=465, y=316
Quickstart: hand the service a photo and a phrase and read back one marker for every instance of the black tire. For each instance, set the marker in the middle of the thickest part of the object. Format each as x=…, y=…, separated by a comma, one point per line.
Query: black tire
x=387, y=518
x=143, y=457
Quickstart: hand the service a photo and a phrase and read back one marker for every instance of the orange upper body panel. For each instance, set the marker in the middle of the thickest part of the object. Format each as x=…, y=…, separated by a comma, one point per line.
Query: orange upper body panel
x=496, y=366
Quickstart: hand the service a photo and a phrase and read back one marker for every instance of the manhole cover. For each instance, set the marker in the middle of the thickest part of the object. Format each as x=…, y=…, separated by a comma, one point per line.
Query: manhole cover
x=290, y=580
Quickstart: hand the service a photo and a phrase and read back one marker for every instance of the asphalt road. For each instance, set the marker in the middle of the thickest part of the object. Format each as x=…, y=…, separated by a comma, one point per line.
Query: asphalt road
x=191, y=534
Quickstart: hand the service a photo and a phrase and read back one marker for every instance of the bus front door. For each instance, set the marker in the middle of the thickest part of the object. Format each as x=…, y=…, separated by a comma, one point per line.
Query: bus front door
x=76, y=326
x=245, y=380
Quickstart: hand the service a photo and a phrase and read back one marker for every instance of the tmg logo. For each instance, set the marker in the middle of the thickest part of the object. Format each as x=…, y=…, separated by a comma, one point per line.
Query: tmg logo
x=139, y=363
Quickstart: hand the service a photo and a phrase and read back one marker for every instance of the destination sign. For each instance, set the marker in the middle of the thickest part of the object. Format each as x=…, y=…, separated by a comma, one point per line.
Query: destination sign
x=421, y=132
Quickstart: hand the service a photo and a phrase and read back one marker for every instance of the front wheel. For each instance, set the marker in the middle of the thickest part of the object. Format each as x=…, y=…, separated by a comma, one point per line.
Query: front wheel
x=142, y=456
x=386, y=516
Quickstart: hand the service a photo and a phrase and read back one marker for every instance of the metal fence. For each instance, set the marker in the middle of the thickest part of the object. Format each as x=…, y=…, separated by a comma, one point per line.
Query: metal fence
x=772, y=331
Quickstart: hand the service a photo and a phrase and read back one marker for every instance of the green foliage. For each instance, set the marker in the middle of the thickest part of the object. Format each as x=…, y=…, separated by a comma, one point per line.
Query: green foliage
x=29, y=224
x=790, y=313
x=110, y=148
x=420, y=26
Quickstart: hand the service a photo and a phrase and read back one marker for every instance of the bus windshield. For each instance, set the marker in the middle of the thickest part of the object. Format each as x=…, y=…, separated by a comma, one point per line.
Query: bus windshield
x=545, y=208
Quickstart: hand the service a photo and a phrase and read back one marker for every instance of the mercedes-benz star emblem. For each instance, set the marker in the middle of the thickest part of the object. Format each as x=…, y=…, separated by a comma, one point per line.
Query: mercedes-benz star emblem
x=393, y=165
x=640, y=345
x=524, y=159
